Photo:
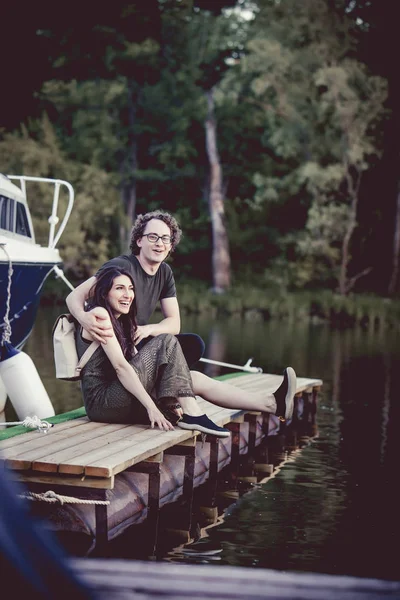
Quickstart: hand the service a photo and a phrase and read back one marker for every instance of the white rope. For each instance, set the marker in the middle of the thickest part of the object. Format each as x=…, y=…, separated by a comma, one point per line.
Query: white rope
x=52, y=497
x=6, y=337
x=60, y=273
x=32, y=423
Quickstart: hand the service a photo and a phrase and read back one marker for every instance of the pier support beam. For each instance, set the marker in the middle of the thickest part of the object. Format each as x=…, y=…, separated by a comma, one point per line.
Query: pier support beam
x=152, y=468
x=208, y=500
x=188, y=450
x=251, y=419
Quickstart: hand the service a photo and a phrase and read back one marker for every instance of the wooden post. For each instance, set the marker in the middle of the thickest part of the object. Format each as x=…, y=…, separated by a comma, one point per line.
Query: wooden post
x=153, y=469
x=235, y=448
x=265, y=423
x=208, y=502
x=188, y=450
x=101, y=527
x=251, y=419
x=314, y=398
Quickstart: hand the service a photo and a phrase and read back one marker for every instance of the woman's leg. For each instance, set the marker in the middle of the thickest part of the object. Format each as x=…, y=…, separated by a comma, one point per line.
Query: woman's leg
x=229, y=396
x=165, y=374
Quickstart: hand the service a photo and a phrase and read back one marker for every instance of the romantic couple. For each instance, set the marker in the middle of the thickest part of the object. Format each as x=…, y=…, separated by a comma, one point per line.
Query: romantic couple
x=141, y=372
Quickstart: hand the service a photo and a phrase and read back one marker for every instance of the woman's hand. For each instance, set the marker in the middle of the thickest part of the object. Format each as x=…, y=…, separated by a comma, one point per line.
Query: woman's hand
x=157, y=418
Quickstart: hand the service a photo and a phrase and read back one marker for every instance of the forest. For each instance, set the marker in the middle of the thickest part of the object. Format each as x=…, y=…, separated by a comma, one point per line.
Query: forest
x=269, y=128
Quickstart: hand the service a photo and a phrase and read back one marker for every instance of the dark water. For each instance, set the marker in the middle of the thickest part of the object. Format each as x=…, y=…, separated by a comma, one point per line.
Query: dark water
x=334, y=507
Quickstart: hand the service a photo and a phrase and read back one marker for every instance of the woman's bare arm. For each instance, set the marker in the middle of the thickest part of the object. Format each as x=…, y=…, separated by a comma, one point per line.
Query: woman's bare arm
x=129, y=378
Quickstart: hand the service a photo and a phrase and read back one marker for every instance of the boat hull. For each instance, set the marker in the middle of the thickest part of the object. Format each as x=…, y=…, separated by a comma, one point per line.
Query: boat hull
x=27, y=282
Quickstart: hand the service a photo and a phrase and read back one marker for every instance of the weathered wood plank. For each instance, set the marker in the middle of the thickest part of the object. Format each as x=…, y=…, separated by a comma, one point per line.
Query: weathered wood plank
x=103, y=450
x=61, y=443
x=128, y=579
x=50, y=479
x=53, y=439
x=35, y=438
x=62, y=452
x=123, y=455
x=114, y=454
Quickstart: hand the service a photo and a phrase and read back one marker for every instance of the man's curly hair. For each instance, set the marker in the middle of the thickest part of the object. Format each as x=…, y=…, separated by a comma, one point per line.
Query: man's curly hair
x=140, y=225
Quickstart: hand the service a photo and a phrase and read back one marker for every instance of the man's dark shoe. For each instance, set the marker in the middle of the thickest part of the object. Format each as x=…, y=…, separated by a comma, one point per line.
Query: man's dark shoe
x=202, y=424
x=284, y=395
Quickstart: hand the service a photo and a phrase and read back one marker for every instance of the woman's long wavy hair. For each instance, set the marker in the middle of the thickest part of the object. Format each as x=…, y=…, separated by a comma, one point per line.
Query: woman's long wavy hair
x=125, y=326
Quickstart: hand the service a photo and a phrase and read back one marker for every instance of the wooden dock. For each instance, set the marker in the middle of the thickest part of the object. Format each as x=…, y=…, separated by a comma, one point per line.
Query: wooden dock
x=126, y=579
x=137, y=468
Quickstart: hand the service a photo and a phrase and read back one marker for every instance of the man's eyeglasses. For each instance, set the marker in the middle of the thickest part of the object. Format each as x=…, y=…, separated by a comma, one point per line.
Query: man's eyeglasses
x=153, y=238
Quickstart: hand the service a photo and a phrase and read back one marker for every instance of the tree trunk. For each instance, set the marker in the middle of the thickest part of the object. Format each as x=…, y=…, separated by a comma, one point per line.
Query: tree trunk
x=346, y=256
x=396, y=250
x=353, y=189
x=128, y=198
x=221, y=263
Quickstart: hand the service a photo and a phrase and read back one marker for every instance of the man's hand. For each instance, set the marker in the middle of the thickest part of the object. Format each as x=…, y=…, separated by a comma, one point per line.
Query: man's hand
x=95, y=323
x=142, y=332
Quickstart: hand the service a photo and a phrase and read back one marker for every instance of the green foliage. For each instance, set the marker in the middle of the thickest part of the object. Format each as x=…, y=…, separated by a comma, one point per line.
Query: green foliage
x=321, y=114
x=87, y=240
x=314, y=306
x=298, y=122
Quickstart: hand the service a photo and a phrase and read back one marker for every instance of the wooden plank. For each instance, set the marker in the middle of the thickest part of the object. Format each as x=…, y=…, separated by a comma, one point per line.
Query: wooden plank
x=62, y=452
x=220, y=415
x=124, y=454
x=238, y=418
x=130, y=580
x=43, y=441
x=40, y=438
x=73, y=447
x=190, y=443
x=106, y=483
x=128, y=444
x=21, y=464
x=157, y=458
x=67, y=444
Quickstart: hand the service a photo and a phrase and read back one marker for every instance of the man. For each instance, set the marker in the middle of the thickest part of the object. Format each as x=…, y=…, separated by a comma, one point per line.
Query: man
x=154, y=236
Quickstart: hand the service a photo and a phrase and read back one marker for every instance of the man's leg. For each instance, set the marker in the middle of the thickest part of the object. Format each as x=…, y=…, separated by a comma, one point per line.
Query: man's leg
x=192, y=346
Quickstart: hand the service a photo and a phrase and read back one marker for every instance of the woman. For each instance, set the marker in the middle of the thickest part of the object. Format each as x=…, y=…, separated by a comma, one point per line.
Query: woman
x=122, y=385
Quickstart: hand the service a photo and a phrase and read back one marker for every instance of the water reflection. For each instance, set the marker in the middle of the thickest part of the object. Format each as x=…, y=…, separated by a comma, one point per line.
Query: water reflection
x=334, y=508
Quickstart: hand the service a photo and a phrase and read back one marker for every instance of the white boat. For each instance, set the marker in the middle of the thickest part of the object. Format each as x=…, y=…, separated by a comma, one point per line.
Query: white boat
x=24, y=264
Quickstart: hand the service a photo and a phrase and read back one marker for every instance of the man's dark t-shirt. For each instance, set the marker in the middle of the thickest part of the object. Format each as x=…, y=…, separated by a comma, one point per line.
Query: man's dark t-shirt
x=149, y=289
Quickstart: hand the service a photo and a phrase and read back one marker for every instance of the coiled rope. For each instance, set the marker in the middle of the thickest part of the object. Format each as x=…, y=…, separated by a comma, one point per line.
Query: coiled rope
x=32, y=423
x=52, y=497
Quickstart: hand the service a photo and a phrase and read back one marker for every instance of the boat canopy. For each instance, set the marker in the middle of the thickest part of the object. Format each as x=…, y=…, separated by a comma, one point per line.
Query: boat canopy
x=15, y=218
x=14, y=212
